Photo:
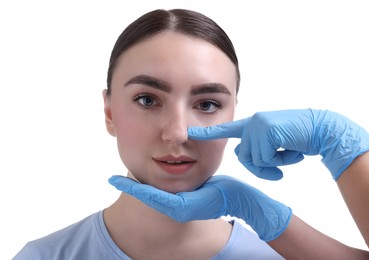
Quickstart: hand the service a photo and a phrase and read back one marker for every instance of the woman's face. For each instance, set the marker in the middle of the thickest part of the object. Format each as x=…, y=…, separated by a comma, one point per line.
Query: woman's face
x=160, y=87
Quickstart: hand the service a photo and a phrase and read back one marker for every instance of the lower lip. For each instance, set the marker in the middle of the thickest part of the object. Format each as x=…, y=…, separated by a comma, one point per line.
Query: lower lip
x=175, y=168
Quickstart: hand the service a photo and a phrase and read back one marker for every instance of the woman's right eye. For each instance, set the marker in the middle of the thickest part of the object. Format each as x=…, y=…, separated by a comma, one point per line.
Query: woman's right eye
x=146, y=100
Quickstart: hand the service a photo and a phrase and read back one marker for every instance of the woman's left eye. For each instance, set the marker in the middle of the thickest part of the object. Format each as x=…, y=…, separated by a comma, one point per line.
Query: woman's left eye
x=208, y=106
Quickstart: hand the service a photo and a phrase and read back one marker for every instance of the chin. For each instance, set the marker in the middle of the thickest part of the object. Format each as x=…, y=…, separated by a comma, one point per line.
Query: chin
x=177, y=188
x=173, y=186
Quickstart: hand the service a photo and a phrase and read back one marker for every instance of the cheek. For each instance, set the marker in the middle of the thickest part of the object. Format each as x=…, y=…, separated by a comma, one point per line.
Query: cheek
x=212, y=154
x=132, y=139
x=130, y=127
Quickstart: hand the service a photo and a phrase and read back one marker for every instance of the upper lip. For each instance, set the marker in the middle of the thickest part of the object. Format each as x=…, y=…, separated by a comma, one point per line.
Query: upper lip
x=174, y=158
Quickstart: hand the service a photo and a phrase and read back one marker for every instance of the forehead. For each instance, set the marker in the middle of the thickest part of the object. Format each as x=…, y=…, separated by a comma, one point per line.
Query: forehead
x=172, y=54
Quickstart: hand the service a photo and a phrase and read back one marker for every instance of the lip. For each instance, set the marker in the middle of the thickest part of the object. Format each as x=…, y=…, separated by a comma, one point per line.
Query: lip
x=175, y=164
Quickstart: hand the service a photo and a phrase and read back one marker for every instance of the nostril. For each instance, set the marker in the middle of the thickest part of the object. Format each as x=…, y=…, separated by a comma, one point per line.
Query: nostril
x=175, y=133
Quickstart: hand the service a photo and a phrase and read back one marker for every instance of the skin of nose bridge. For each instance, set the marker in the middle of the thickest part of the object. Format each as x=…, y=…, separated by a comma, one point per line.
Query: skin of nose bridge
x=175, y=127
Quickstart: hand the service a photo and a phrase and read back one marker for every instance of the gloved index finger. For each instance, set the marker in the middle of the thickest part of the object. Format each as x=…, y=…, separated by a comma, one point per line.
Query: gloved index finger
x=227, y=130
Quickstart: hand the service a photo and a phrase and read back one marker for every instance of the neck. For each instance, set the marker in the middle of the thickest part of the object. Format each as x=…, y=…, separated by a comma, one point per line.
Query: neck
x=130, y=219
x=141, y=231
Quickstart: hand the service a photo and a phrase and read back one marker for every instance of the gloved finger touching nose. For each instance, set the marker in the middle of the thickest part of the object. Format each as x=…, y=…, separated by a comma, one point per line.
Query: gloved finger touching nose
x=227, y=130
x=257, y=151
x=299, y=132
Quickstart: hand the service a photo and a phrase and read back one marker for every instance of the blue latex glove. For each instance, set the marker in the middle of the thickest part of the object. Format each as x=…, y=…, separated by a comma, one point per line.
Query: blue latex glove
x=219, y=196
x=302, y=131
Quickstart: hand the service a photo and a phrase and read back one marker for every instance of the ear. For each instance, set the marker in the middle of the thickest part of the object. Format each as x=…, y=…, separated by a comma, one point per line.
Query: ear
x=107, y=111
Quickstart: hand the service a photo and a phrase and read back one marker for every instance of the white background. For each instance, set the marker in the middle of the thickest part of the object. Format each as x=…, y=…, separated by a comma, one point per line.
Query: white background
x=55, y=154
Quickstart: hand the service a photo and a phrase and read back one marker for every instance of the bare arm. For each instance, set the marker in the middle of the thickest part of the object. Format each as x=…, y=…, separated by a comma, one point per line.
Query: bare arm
x=354, y=187
x=301, y=241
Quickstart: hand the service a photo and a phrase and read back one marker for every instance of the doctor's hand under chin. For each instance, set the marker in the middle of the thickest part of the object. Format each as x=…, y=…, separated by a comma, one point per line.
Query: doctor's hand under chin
x=219, y=196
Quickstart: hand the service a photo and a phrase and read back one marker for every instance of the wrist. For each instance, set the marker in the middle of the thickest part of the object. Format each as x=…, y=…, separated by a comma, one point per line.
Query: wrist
x=342, y=141
x=267, y=217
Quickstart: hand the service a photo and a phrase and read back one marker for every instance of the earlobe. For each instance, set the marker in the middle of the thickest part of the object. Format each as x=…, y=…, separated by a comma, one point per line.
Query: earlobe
x=108, y=116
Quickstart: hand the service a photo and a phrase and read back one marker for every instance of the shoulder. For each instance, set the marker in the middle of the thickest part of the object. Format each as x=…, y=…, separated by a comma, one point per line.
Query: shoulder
x=85, y=239
x=69, y=234
x=244, y=243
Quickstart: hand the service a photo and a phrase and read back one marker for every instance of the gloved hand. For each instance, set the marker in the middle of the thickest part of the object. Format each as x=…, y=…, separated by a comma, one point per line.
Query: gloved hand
x=303, y=131
x=219, y=196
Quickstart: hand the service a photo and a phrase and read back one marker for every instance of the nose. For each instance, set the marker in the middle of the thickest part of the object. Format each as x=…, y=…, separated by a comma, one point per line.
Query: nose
x=175, y=127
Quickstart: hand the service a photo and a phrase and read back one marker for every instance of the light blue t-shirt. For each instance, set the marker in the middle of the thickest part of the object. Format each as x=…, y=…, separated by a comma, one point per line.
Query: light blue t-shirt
x=89, y=239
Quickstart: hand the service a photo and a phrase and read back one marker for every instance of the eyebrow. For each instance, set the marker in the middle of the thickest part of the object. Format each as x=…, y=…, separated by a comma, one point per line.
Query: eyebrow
x=150, y=82
x=165, y=86
x=210, y=88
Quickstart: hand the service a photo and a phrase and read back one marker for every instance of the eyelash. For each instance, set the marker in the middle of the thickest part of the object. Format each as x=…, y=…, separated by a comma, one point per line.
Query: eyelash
x=138, y=99
x=212, y=102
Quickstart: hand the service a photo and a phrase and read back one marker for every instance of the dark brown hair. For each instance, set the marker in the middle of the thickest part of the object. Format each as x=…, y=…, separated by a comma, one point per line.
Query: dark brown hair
x=179, y=20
